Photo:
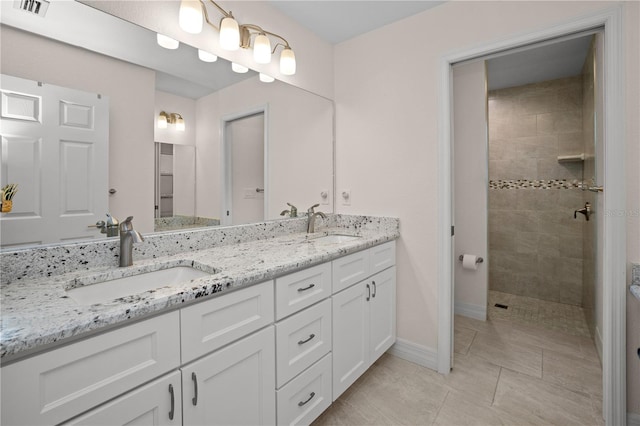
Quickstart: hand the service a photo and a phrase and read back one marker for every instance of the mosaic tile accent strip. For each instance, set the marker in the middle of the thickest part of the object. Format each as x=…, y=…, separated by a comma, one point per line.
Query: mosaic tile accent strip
x=533, y=184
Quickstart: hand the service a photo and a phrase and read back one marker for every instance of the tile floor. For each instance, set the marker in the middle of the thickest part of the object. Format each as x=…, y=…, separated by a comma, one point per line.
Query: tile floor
x=505, y=373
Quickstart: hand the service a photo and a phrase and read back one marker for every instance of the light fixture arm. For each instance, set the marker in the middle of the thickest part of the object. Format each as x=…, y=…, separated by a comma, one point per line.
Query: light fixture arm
x=260, y=30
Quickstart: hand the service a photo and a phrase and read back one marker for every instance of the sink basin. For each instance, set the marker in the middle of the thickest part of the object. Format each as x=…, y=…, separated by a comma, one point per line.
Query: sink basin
x=334, y=238
x=106, y=291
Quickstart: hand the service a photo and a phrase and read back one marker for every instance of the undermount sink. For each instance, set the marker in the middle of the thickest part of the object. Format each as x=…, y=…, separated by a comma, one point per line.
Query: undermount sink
x=334, y=238
x=108, y=290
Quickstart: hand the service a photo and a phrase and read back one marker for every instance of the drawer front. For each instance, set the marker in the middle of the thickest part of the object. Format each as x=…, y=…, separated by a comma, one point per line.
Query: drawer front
x=350, y=269
x=156, y=403
x=210, y=325
x=58, y=385
x=301, y=340
x=382, y=257
x=301, y=289
x=304, y=398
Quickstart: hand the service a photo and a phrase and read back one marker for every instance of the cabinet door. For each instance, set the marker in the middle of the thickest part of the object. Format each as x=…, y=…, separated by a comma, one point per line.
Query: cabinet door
x=156, y=403
x=350, y=336
x=234, y=385
x=382, y=313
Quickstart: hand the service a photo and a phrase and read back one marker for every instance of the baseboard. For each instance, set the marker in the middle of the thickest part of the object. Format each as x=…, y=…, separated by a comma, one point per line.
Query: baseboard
x=598, y=342
x=415, y=353
x=633, y=419
x=472, y=311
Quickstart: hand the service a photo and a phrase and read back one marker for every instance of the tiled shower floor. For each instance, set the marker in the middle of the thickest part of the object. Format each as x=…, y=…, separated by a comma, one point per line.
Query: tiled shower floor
x=551, y=315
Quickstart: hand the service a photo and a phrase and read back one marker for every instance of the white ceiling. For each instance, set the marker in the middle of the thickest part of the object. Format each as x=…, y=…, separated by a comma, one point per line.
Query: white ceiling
x=337, y=21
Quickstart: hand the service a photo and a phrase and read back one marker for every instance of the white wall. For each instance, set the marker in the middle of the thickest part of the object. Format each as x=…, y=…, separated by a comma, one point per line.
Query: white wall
x=387, y=120
x=131, y=91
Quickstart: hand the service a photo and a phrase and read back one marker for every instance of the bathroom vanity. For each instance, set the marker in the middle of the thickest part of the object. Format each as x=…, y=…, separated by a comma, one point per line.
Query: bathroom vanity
x=275, y=331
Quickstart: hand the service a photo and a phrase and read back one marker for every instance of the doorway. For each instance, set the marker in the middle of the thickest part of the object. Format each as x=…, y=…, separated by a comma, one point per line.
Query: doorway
x=613, y=247
x=245, y=196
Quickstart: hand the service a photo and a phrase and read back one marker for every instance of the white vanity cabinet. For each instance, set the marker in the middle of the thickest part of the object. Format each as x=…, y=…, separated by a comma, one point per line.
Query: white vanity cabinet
x=55, y=386
x=234, y=385
x=364, y=316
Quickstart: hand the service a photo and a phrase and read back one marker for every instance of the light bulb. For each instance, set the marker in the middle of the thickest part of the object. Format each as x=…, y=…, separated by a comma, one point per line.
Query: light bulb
x=190, y=16
x=206, y=56
x=241, y=69
x=167, y=42
x=229, y=34
x=266, y=78
x=180, y=124
x=162, y=121
x=287, y=61
x=262, y=49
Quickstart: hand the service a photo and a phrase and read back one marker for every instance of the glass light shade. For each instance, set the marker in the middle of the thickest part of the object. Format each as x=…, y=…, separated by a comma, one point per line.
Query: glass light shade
x=206, y=56
x=180, y=124
x=162, y=121
x=262, y=49
x=238, y=68
x=190, y=16
x=287, y=61
x=266, y=78
x=167, y=42
x=229, y=34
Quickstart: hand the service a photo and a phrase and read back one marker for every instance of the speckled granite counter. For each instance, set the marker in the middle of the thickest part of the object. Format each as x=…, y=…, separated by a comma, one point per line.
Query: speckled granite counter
x=36, y=311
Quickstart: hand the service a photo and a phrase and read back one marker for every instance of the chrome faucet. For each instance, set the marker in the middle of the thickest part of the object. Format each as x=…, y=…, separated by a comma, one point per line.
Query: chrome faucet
x=128, y=236
x=293, y=212
x=311, y=215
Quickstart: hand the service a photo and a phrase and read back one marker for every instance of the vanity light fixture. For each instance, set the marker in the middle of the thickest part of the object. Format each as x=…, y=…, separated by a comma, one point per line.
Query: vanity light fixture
x=167, y=42
x=240, y=69
x=266, y=78
x=193, y=13
x=165, y=118
x=205, y=56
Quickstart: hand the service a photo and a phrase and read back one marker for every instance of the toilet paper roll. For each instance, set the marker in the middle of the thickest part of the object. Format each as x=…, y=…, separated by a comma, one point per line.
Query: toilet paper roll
x=469, y=262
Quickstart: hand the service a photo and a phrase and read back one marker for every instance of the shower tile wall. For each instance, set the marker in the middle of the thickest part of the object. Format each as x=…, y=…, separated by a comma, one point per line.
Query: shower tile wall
x=535, y=244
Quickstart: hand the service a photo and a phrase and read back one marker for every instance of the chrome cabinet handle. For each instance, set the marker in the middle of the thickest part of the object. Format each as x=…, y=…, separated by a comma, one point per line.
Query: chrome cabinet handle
x=373, y=283
x=302, y=342
x=301, y=403
x=172, y=402
x=310, y=286
x=194, y=400
x=368, y=292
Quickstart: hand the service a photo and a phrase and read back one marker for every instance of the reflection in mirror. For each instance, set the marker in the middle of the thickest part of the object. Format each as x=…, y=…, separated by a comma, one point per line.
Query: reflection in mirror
x=143, y=82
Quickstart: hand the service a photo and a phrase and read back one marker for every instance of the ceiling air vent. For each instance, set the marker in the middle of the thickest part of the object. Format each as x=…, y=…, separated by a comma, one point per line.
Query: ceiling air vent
x=37, y=7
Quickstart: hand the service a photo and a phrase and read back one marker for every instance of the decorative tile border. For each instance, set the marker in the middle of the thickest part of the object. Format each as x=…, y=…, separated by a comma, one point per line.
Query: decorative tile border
x=533, y=184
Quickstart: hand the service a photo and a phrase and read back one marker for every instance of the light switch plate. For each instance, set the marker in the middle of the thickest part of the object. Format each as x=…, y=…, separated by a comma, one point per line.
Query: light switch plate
x=346, y=197
x=249, y=193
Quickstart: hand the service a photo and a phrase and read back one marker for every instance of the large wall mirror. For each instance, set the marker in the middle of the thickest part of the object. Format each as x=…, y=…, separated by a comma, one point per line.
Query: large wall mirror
x=252, y=146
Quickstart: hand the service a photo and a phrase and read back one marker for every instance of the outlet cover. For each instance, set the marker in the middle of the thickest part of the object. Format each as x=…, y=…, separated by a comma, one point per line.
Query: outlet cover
x=346, y=197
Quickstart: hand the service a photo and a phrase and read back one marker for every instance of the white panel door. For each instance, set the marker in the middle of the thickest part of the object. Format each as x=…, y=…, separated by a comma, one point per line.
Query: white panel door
x=234, y=385
x=55, y=147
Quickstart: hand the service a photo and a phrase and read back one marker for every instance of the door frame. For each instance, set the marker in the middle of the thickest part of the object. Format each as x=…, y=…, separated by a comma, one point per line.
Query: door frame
x=614, y=244
x=226, y=188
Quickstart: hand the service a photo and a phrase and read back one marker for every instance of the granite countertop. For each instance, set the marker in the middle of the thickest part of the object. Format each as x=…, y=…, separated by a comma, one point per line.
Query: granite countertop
x=38, y=313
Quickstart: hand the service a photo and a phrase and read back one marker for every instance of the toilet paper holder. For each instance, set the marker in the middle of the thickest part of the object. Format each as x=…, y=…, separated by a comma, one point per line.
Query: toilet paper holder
x=478, y=260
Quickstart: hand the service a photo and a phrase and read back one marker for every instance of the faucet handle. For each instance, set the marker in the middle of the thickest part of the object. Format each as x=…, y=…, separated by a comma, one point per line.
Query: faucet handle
x=310, y=210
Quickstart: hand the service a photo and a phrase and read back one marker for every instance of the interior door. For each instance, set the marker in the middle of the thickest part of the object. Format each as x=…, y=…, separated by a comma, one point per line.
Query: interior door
x=246, y=139
x=55, y=147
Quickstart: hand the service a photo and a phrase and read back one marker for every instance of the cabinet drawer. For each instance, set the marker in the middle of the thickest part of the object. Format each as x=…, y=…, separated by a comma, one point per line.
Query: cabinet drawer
x=156, y=403
x=301, y=289
x=304, y=398
x=382, y=257
x=350, y=269
x=210, y=325
x=60, y=384
x=301, y=340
